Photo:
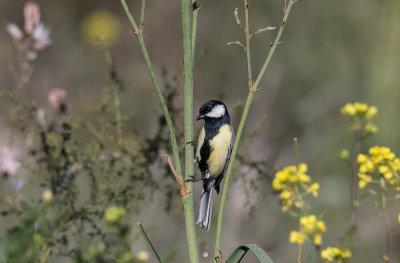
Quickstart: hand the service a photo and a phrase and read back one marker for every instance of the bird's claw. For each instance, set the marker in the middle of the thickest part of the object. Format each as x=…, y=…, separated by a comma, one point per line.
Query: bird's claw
x=192, y=179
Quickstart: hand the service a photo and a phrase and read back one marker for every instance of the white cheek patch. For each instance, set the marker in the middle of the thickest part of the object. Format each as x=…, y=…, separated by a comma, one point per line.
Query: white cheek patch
x=217, y=111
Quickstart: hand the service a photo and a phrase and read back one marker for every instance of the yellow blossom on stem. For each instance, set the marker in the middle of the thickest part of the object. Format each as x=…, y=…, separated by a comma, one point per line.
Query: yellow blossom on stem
x=310, y=229
x=380, y=163
x=361, y=117
x=290, y=181
x=337, y=255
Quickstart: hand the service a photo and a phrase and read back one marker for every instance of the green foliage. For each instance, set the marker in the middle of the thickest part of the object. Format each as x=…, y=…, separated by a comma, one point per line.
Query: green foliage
x=84, y=164
x=238, y=254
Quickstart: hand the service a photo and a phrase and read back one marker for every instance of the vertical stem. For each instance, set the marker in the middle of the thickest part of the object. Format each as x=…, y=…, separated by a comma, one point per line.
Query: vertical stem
x=241, y=126
x=142, y=13
x=386, y=257
x=116, y=85
x=353, y=189
x=248, y=54
x=156, y=86
x=194, y=26
x=300, y=193
x=188, y=123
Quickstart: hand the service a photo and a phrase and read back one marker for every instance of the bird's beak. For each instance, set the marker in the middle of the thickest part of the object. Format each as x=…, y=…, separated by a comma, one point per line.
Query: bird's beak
x=200, y=117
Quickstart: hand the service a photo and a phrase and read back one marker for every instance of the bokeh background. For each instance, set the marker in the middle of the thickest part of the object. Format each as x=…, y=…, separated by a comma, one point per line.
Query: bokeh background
x=333, y=52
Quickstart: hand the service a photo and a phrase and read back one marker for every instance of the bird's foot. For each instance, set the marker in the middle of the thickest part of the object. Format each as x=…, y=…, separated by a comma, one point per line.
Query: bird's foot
x=192, y=179
x=193, y=143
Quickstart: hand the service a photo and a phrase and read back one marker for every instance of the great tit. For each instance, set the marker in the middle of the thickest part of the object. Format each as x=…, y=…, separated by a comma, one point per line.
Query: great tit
x=212, y=154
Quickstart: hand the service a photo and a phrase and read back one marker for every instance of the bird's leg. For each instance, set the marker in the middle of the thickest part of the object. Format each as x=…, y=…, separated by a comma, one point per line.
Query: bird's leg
x=193, y=179
x=204, y=176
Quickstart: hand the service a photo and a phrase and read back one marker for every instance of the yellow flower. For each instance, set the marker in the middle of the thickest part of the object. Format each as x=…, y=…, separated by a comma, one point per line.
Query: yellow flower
x=348, y=109
x=143, y=256
x=371, y=128
x=344, y=154
x=290, y=178
x=383, y=169
x=285, y=194
x=312, y=228
x=321, y=226
x=361, y=158
x=297, y=237
x=398, y=218
x=100, y=25
x=318, y=239
x=114, y=214
x=313, y=189
x=47, y=195
x=360, y=107
x=372, y=112
x=382, y=160
x=334, y=254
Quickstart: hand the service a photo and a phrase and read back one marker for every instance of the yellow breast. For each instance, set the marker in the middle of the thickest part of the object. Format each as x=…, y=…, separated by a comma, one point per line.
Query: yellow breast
x=220, y=145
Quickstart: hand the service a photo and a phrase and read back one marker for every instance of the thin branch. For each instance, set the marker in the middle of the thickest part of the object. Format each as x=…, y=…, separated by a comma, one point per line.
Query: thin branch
x=259, y=31
x=156, y=86
x=353, y=185
x=238, y=22
x=241, y=125
x=237, y=42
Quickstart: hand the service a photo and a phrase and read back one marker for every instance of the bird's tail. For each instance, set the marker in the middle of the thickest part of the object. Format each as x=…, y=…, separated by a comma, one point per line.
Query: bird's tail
x=205, y=209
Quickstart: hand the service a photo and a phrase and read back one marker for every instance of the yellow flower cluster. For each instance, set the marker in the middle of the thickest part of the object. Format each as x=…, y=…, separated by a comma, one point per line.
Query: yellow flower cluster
x=360, y=110
x=288, y=181
x=310, y=228
x=380, y=161
x=360, y=115
x=337, y=255
x=114, y=214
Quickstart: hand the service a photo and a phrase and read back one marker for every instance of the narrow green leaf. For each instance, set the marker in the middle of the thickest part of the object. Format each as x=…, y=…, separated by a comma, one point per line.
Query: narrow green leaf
x=148, y=241
x=241, y=251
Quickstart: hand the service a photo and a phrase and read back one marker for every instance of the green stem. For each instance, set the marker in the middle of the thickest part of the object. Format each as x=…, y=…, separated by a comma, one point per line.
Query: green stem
x=142, y=13
x=353, y=185
x=241, y=126
x=188, y=47
x=146, y=238
x=248, y=54
x=299, y=193
x=156, y=86
x=194, y=26
x=387, y=228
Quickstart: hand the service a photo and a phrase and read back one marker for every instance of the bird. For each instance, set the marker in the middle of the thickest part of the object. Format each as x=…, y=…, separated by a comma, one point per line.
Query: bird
x=212, y=154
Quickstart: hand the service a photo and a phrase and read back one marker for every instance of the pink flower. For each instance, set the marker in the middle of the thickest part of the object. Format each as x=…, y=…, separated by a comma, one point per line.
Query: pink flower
x=8, y=162
x=41, y=35
x=14, y=31
x=57, y=98
x=32, y=16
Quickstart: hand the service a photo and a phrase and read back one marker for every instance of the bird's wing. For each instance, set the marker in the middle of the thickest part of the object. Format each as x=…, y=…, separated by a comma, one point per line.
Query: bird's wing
x=219, y=179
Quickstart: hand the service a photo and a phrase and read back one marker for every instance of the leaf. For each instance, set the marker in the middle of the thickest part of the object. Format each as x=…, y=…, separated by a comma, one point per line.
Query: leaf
x=241, y=251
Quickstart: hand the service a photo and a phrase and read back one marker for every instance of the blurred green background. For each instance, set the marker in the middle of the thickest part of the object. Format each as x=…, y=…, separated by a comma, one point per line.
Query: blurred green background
x=333, y=52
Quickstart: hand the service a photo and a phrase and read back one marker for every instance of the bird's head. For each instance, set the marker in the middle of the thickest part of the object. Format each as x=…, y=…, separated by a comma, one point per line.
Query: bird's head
x=212, y=109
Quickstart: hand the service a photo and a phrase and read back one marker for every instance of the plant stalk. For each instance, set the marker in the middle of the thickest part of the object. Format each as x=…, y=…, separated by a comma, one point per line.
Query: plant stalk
x=155, y=84
x=242, y=122
x=188, y=48
x=388, y=231
x=353, y=185
x=300, y=194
